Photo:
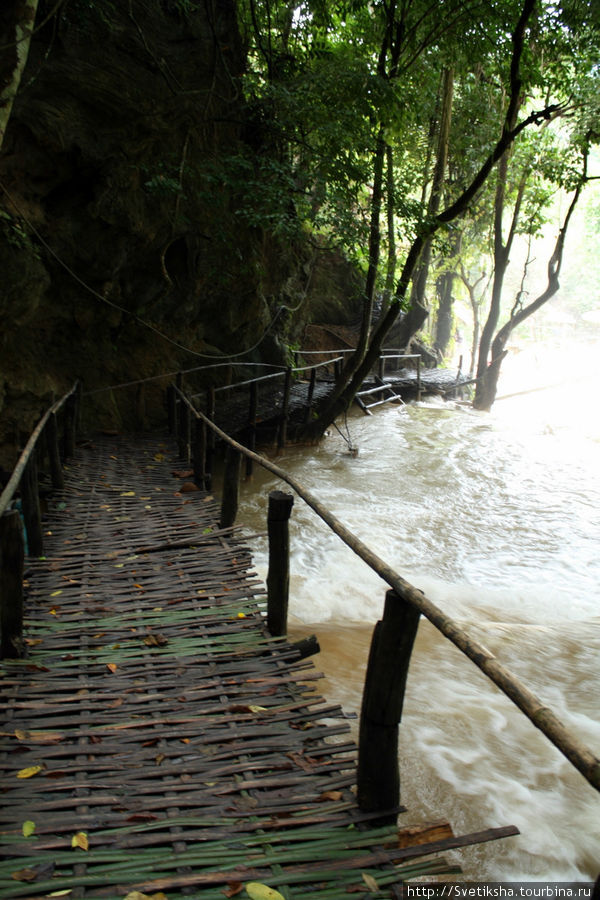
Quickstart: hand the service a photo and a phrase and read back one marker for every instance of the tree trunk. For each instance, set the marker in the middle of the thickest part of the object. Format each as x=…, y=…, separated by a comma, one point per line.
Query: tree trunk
x=390, y=274
x=16, y=26
x=498, y=350
x=346, y=391
x=435, y=198
x=443, y=326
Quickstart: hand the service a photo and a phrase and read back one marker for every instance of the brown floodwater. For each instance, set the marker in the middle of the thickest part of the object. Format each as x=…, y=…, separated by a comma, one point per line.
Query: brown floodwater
x=497, y=518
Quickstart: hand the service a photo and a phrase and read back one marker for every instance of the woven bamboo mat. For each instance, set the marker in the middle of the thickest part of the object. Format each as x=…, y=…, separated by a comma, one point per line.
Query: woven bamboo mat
x=156, y=739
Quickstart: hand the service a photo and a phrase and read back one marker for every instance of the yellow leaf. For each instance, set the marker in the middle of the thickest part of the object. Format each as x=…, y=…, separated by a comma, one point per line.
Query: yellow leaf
x=29, y=771
x=257, y=709
x=28, y=828
x=370, y=882
x=53, y=612
x=258, y=891
x=80, y=840
x=241, y=615
x=61, y=893
x=137, y=895
x=128, y=494
x=55, y=593
x=20, y=735
x=112, y=667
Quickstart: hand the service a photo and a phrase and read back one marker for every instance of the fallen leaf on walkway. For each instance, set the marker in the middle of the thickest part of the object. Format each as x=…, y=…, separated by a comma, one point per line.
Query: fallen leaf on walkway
x=112, y=667
x=136, y=895
x=30, y=771
x=25, y=875
x=331, y=795
x=128, y=494
x=55, y=593
x=160, y=758
x=370, y=881
x=80, y=840
x=258, y=891
x=188, y=487
x=155, y=640
x=233, y=888
x=28, y=828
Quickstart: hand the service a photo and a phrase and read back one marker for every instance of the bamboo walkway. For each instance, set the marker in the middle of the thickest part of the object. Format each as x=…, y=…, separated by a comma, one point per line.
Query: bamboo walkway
x=156, y=739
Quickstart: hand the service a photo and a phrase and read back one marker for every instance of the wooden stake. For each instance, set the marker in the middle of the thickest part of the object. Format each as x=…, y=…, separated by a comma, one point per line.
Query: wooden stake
x=378, y=777
x=282, y=438
x=31, y=508
x=70, y=425
x=199, y=454
x=11, y=585
x=278, y=578
x=251, y=441
x=56, y=472
x=231, y=487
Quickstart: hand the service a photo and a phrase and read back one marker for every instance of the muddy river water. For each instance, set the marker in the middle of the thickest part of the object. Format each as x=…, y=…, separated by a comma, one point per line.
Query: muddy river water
x=497, y=518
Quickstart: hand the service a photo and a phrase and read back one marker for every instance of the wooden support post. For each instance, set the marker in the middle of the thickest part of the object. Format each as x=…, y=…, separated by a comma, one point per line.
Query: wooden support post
x=231, y=487
x=418, y=378
x=30, y=500
x=307, y=646
x=252, y=412
x=210, y=437
x=378, y=777
x=70, y=426
x=11, y=585
x=199, y=453
x=309, y=398
x=56, y=472
x=278, y=578
x=185, y=431
x=172, y=410
x=381, y=366
x=285, y=403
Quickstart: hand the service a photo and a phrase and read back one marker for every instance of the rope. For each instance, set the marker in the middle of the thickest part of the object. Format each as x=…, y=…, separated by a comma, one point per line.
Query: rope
x=128, y=312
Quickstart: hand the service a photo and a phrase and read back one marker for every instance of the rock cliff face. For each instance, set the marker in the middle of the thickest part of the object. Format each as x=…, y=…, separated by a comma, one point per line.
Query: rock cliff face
x=118, y=219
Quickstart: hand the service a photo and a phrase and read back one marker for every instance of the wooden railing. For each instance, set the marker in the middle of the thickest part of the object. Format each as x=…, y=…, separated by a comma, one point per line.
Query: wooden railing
x=59, y=444
x=393, y=638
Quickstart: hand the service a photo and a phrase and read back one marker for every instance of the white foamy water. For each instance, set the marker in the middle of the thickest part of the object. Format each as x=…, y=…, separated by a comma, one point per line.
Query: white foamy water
x=497, y=518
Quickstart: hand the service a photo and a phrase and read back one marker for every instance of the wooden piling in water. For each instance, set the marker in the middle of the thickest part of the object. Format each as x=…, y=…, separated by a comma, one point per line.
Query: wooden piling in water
x=252, y=412
x=230, y=493
x=278, y=577
x=210, y=438
x=378, y=776
x=12, y=553
x=283, y=421
x=309, y=398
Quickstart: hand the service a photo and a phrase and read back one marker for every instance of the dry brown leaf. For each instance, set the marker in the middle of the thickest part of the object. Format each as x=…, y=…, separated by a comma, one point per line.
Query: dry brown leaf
x=331, y=795
x=80, y=840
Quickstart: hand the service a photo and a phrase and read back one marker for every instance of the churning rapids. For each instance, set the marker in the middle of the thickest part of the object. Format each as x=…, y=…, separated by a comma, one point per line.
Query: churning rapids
x=497, y=518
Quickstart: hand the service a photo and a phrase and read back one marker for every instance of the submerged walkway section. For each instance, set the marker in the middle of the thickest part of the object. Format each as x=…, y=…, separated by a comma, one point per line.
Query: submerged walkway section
x=156, y=738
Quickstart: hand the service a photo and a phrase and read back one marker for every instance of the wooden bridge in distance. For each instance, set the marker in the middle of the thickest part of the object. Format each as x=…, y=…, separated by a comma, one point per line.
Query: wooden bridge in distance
x=158, y=736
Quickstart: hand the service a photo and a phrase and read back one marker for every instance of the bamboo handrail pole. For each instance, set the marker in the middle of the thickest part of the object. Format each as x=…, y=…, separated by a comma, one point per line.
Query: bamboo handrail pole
x=17, y=473
x=536, y=711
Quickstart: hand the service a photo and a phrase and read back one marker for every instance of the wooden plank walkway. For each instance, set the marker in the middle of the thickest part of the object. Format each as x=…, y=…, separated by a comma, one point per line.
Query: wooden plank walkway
x=156, y=738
